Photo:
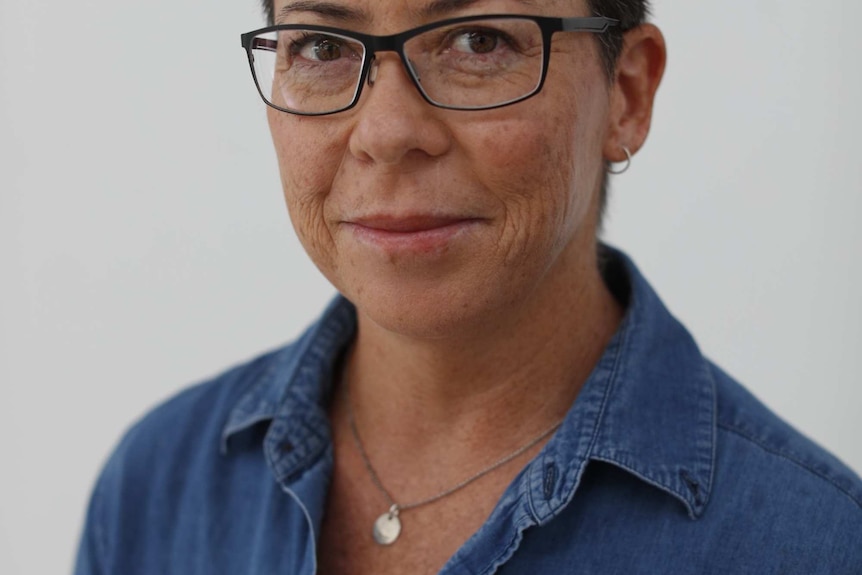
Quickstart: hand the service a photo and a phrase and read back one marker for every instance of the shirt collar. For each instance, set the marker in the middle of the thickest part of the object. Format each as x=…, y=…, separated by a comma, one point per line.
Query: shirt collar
x=648, y=407
x=298, y=373
x=661, y=421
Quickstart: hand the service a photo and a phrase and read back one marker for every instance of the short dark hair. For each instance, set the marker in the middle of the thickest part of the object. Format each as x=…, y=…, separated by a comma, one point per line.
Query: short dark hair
x=630, y=13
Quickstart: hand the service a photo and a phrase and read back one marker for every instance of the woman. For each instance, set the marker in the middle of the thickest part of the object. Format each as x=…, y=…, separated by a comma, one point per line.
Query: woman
x=494, y=390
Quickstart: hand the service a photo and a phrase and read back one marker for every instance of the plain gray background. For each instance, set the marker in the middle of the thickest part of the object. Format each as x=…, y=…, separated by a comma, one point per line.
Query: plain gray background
x=144, y=244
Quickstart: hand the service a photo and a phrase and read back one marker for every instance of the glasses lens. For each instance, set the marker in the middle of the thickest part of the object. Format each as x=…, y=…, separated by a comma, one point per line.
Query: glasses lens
x=307, y=71
x=478, y=64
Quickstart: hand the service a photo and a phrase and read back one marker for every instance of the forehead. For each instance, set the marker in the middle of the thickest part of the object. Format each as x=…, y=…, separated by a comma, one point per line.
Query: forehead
x=367, y=11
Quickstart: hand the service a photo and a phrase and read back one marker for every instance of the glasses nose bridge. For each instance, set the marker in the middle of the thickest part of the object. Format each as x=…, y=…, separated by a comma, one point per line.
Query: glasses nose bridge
x=378, y=44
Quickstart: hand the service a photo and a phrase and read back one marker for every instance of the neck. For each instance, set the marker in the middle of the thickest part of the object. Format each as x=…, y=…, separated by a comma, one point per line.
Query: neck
x=492, y=385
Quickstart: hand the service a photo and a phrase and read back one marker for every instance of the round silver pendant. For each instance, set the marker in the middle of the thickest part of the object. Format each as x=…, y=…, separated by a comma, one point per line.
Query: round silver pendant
x=387, y=528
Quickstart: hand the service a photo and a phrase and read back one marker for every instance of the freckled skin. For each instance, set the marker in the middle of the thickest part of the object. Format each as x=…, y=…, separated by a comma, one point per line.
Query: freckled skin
x=530, y=171
x=462, y=350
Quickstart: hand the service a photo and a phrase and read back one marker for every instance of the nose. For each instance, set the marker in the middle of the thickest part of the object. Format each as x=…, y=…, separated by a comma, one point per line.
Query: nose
x=393, y=121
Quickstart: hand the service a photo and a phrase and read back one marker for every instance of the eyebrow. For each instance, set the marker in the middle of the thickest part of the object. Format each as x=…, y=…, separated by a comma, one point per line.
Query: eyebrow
x=438, y=8
x=329, y=10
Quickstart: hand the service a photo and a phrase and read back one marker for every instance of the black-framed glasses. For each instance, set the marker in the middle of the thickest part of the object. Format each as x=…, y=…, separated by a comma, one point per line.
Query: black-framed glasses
x=467, y=63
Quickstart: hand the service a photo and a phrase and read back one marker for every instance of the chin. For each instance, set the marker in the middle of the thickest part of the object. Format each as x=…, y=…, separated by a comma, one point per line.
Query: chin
x=431, y=313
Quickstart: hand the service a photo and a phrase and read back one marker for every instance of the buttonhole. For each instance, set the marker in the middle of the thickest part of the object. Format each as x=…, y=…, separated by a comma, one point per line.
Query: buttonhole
x=693, y=486
x=286, y=447
x=550, y=480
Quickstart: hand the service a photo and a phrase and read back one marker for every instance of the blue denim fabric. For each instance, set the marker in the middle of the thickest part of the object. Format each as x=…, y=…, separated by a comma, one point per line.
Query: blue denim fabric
x=663, y=465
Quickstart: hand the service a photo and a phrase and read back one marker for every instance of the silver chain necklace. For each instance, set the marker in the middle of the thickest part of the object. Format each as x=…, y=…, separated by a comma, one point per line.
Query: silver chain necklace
x=387, y=527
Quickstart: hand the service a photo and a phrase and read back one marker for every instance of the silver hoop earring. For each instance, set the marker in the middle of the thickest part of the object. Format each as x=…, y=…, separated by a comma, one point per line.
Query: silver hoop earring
x=627, y=165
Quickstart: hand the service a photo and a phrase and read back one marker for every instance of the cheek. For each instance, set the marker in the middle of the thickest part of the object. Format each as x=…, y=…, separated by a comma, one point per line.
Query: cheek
x=298, y=145
x=534, y=172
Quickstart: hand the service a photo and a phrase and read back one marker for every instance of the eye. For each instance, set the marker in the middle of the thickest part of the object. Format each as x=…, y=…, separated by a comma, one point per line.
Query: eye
x=478, y=41
x=321, y=48
x=325, y=49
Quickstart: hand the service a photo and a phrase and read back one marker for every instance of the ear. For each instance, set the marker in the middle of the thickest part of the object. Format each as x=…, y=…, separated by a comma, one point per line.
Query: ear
x=638, y=73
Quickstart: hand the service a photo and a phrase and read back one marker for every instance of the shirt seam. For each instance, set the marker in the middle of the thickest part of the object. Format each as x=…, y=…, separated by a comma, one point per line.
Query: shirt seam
x=612, y=381
x=508, y=550
x=791, y=459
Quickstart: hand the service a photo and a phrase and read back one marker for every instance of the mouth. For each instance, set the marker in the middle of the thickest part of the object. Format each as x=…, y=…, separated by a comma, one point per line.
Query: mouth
x=417, y=234
x=408, y=224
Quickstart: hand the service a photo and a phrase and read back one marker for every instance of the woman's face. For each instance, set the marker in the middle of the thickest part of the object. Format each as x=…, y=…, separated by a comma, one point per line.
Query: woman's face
x=433, y=220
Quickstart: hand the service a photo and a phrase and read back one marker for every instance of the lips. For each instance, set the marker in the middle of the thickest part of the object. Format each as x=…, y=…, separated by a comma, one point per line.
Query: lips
x=415, y=234
x=409, y=224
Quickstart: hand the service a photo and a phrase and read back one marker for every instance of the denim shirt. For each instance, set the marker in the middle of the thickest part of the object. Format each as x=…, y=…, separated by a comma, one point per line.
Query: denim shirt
x=664, y=464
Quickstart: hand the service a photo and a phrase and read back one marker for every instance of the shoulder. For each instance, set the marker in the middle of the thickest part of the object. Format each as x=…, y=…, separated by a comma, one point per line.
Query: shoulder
x=188, y=434
x=791, y=493
x=183, y=436
x=201, y=410
x=145, y=489
x=742, y=415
